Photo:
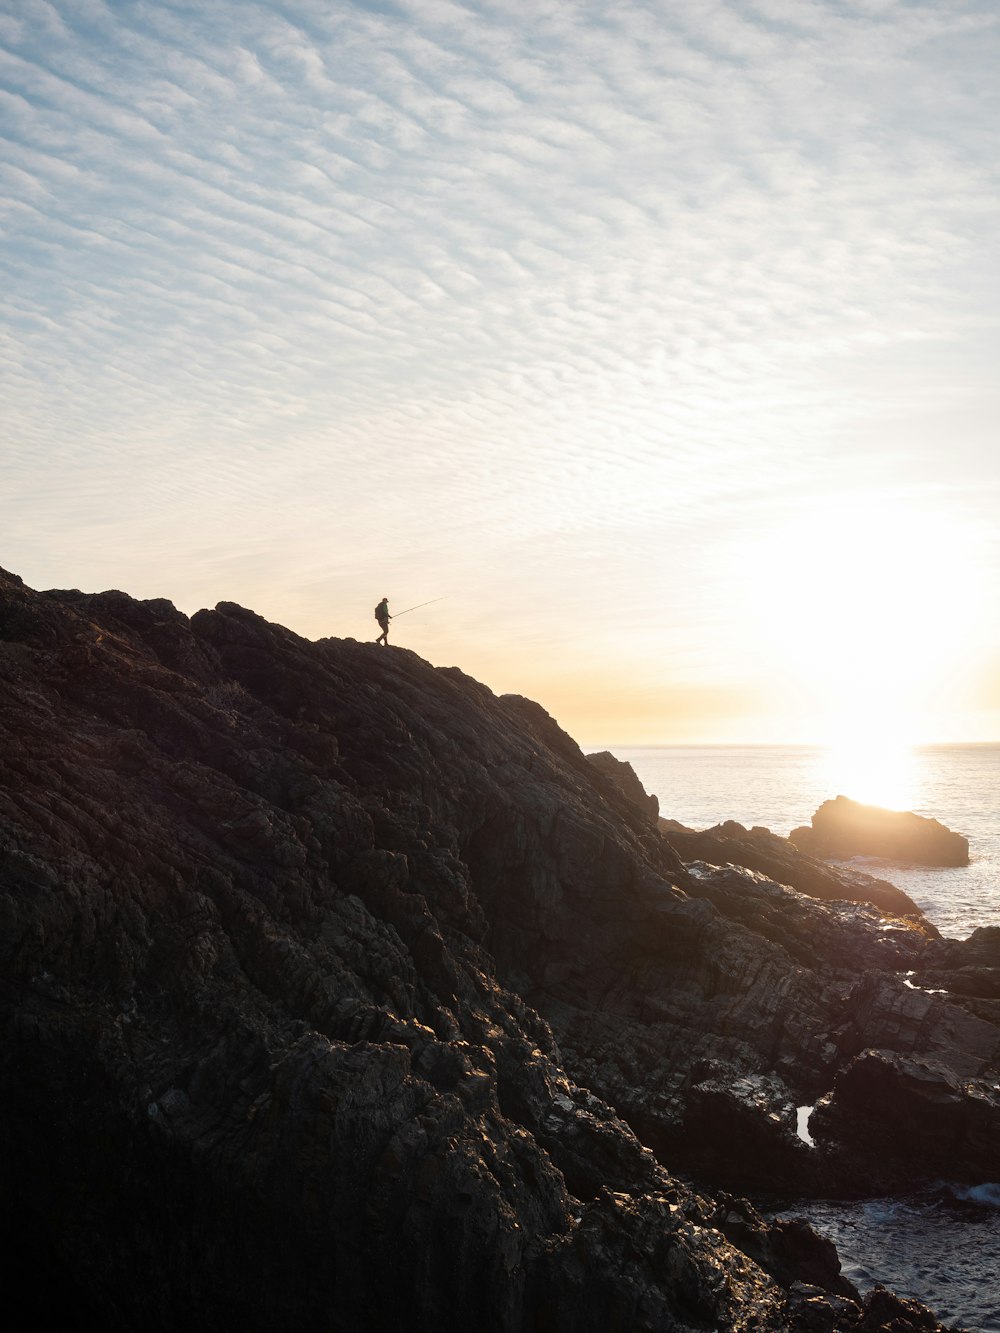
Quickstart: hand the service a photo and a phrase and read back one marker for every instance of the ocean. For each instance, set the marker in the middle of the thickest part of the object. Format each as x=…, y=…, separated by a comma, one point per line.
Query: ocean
x=780, y=787
x=942, y=1247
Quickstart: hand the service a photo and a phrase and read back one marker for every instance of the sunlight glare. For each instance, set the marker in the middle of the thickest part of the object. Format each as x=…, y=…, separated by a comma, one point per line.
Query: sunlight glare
x=862, y=612
x=871, y=767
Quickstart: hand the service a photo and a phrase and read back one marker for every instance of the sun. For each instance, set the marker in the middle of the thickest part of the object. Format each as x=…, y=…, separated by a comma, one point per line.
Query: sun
x=862, y=614
x=874, y=766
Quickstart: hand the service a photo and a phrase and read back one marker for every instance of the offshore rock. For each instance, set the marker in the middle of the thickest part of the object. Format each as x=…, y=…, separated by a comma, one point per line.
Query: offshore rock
x=337, y=992
x=844, y=828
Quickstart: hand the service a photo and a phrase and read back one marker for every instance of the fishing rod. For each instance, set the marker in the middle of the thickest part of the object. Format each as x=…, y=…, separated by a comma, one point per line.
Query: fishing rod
x=418, y=606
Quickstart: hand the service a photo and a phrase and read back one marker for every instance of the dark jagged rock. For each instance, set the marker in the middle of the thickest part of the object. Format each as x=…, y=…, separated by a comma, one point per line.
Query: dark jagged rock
x=337, y=992
x=624, y=777
x=789, y=1249
x=898, y=1106
x=845, y=828
x=781, y=860
x=968, y=967
x=981, y=949
x=967, y=970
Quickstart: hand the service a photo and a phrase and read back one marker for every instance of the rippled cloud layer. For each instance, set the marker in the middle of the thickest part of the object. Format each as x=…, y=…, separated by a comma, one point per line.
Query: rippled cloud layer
x=556, y=308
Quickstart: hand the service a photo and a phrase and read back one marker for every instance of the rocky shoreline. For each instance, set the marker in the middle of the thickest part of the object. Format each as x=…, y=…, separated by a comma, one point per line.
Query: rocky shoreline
x=339, y=993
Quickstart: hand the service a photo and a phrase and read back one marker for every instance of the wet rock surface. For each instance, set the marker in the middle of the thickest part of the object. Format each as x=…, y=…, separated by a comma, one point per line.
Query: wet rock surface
x=845, y=828
x=941, y=1249
x=970, y=968
x=338, y=992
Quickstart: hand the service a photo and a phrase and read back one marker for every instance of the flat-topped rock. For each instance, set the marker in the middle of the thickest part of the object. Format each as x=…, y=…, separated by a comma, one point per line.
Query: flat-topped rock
x=843, y=828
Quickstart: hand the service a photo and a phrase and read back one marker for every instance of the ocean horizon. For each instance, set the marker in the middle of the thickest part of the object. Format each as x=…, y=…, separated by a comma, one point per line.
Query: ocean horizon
x=779, y=787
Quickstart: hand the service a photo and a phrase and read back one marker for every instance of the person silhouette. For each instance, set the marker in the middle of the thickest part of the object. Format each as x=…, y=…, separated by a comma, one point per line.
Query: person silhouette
x=383, y=617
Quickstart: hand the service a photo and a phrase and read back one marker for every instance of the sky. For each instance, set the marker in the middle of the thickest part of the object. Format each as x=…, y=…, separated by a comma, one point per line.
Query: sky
x=656, y=344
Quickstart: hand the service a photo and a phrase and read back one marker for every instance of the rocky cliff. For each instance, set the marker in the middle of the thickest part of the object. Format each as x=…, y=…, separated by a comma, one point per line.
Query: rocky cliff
x=338, y=993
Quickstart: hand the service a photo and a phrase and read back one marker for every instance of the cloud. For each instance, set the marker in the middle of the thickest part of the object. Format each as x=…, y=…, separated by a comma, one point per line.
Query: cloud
x=481, y=280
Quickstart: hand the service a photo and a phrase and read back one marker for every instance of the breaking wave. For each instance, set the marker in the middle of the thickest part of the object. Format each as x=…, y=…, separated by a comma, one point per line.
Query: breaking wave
x=941, y=1247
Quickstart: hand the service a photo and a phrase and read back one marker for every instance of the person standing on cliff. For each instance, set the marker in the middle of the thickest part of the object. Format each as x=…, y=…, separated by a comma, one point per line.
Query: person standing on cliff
x=383, y=617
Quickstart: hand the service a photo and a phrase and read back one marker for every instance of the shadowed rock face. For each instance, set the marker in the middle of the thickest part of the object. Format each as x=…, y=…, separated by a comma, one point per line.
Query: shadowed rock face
x=784, y=860
x=845, y=828
x=333, y=987
x=624, y=776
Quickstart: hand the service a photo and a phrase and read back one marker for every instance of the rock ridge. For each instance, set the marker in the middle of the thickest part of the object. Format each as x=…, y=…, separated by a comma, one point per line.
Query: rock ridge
x=337, y=990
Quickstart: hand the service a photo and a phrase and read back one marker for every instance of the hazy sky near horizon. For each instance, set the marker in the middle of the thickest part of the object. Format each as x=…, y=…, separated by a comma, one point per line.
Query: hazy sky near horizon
x=660, y=339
